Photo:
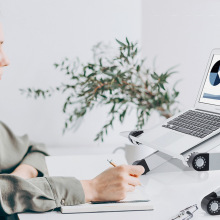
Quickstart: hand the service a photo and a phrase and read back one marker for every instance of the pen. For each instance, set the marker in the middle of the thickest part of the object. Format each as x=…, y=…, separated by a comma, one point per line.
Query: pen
x=114, y=165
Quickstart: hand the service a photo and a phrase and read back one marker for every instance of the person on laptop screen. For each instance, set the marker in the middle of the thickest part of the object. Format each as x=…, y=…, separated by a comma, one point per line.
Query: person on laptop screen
x=22, y=160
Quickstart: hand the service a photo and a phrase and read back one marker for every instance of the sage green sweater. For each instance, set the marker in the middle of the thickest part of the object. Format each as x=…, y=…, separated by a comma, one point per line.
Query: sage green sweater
x=38, y=194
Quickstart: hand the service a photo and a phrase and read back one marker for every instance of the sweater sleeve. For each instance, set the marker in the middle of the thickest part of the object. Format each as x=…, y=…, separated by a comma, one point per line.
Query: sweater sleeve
x=40, y=194
x=35, y=157
x=15, y=150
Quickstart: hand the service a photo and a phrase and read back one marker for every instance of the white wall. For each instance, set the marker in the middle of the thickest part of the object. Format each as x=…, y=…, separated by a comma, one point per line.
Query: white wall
x=181, y=32
x=41, y=32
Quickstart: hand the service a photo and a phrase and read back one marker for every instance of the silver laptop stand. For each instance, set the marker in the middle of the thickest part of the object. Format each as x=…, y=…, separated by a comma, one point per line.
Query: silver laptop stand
x=198, y=158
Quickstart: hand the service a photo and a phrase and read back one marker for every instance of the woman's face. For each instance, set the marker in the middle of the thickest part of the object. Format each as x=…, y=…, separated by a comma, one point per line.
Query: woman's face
x=4, y=61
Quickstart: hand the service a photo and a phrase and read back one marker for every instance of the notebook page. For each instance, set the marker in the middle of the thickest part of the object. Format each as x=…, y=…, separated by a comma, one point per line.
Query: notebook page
x=81, y=166
x=137, y=194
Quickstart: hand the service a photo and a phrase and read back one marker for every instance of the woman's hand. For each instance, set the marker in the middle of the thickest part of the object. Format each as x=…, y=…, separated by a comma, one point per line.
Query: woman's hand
x=113, y=184
x=25, y=171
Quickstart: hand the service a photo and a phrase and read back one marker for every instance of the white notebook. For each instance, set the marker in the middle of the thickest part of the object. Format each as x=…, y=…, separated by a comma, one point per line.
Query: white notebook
x=107, y=207
x=91, y=166
x=135, y=201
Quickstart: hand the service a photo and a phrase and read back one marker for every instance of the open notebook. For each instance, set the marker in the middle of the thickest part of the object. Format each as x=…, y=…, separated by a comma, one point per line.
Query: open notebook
x=87, y=167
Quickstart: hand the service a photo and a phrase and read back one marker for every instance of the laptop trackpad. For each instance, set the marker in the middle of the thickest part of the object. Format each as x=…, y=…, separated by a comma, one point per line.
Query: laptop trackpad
x=167, y=139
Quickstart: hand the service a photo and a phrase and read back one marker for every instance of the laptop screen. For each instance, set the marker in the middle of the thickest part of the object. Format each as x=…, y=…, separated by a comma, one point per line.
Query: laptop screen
x=211, y=89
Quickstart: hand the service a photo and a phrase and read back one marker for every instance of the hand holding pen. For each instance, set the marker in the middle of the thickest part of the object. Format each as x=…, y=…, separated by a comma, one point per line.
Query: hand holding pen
x=112, y=184
x=114, y=165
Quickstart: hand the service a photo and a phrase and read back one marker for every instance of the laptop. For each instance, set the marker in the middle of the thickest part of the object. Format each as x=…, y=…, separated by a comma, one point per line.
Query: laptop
x=190, y=128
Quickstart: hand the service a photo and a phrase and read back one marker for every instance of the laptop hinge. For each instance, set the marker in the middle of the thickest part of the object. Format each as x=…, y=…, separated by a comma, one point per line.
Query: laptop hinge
x=207, y=111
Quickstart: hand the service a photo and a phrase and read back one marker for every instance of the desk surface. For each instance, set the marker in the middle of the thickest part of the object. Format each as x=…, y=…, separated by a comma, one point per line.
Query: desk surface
x=171, y=188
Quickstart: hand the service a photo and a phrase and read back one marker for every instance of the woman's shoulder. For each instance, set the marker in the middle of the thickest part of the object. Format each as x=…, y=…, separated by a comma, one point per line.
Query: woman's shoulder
x=3, y=126
x=5, y=130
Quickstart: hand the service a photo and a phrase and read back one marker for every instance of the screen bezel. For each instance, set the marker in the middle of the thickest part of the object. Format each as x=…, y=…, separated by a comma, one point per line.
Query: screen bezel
x=207, y=106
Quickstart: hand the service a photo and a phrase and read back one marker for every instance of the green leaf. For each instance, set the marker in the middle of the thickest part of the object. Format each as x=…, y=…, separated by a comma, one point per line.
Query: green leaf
x=66, y=125
x=112, y=81
x=103, y=96
x=64, y=107
x=154, y=76
x=119, y=42
x=56, y=65
x=128, y=54
x=119, y=80
x=100, y=61
x=127, y=41
x=74, y=77
x=109, y=74
x=162, y=86
x=91, y=75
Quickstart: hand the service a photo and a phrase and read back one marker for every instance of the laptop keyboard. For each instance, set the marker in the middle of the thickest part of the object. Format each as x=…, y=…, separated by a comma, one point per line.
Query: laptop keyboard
x=198, y=124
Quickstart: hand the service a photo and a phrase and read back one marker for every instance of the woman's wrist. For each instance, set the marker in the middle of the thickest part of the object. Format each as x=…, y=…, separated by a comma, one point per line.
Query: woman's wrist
x=25, y=171
x=89, y=190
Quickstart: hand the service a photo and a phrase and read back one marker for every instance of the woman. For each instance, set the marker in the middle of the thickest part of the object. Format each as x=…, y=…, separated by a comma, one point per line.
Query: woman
x=22, y=160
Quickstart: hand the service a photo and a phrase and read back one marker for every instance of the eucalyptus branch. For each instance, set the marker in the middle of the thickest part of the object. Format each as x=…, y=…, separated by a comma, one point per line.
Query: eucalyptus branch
x=116, y=78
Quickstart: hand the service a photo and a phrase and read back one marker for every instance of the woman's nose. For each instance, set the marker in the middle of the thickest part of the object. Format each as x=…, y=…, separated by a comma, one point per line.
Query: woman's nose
x=7, y=61
x=4, y=61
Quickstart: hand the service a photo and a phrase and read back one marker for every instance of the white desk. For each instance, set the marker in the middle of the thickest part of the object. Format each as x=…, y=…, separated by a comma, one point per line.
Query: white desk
x=171, y=187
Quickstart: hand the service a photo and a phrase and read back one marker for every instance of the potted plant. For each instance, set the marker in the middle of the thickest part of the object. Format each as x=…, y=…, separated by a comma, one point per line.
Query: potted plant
x=116, y=78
